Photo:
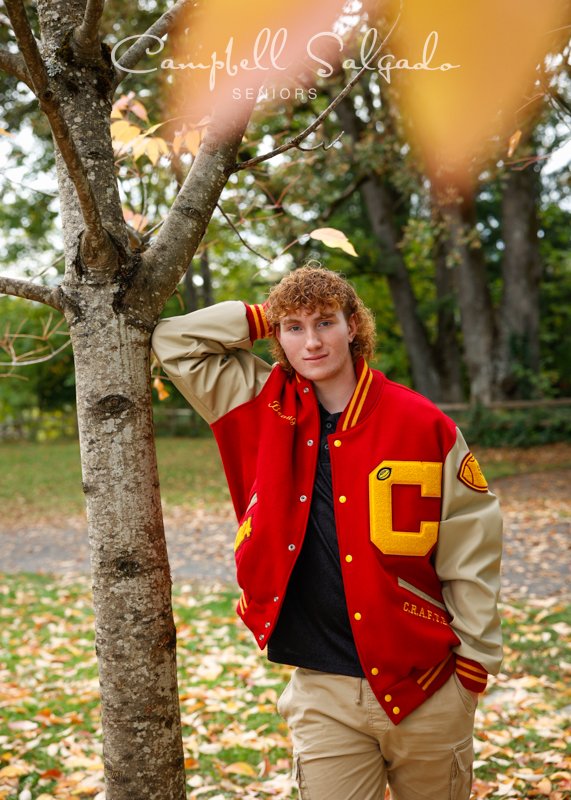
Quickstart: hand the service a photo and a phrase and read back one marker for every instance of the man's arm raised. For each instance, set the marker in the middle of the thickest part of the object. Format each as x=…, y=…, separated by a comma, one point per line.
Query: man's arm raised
x=207, y=355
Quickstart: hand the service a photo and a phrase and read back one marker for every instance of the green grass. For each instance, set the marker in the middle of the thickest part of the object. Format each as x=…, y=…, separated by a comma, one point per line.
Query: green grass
x=235, y=744
x=43, y=480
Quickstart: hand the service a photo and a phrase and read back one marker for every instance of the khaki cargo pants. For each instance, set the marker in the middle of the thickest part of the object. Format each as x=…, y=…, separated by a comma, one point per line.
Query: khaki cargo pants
x=346, y=748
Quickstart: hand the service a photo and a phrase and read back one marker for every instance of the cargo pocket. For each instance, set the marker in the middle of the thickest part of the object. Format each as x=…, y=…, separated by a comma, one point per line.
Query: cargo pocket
x=461, y=773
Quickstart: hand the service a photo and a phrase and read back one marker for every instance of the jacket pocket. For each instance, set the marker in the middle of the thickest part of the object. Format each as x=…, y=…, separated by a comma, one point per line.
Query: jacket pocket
x=469, y=699
x=419, y=593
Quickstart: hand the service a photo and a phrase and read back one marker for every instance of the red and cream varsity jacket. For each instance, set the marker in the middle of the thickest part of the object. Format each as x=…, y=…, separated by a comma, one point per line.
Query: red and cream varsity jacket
x=419, y=531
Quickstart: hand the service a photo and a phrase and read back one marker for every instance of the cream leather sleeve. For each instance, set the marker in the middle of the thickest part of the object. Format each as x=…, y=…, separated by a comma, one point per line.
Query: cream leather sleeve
x=468, y=562
x=207, y=356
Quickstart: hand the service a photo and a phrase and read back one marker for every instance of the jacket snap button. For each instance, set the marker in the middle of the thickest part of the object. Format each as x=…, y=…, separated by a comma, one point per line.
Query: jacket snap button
x=267, y=625
x=348, y=559
x=276, y=598
x=342, y=499
x=337, y=442
x=291, y=547
x=357, y=615
x=303, y=498
x=374, y=671
x=396, y=710
x=388, y=698
x=309, y=442
x=261, y=637
x=305, y=389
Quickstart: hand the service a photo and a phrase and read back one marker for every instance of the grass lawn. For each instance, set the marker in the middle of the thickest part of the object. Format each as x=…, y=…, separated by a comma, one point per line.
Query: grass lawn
x=43, y=481
x=236, y=746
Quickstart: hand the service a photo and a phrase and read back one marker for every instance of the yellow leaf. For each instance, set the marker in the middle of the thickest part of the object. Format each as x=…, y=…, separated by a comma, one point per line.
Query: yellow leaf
x=544, y=786
x=153, y=147
x=139, y=147
x=513, y=143
x=192, y=141
x=123, y=132
x=4, y=132
x=14, y=771
x=241, y=768
x=177, y=143
x=153, y=128
x=160, y=387
x=333, y=238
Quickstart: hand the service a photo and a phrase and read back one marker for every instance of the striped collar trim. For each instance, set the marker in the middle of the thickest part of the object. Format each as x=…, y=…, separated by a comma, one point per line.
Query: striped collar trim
x=355, y=407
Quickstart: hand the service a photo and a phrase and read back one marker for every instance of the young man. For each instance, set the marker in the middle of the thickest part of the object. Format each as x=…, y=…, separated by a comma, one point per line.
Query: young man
x=368, y=545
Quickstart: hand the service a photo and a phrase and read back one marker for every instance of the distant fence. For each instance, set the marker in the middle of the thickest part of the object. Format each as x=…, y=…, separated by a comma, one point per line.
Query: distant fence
x=507, y=404
x=516, y=422
x=39, y=426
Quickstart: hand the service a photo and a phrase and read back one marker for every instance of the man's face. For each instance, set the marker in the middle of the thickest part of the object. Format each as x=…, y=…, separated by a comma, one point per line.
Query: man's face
x=316, y=343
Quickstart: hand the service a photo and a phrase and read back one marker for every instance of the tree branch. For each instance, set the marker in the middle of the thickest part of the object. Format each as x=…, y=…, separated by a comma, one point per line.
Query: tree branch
x=97, y=241
x=86, y=35
x=23, y=362
x=157, y=30
x=166, y=261
x=252, y=162
x=14, y=64
x=237, y=232
x=31, y=291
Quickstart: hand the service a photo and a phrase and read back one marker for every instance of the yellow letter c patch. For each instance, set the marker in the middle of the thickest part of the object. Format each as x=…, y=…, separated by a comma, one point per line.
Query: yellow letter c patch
x=427, y=474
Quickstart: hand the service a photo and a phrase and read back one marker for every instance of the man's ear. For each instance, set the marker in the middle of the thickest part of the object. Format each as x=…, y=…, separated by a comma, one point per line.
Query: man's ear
x=352, y=325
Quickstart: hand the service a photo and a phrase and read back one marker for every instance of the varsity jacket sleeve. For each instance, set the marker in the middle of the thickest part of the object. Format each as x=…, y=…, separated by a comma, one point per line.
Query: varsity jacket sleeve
x=207, y=355
x=468, y=565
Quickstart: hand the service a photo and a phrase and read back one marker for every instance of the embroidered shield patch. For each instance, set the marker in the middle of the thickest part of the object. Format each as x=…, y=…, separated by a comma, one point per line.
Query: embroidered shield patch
x=471, y=474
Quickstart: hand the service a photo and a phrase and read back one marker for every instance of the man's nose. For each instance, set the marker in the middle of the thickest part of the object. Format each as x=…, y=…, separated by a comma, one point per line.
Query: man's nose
x=312, y=340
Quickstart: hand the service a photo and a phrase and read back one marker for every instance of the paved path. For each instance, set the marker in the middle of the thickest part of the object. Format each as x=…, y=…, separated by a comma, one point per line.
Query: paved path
x=537, y=541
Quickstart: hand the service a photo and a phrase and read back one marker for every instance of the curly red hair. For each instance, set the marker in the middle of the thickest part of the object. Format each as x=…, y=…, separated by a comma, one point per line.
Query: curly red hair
x=315, y=288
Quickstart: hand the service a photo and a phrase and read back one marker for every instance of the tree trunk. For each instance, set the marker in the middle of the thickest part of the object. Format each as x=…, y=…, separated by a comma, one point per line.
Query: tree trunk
x=477, y=321
x=518, y=322
x=421, y=355
x=190, y=293
x=135, y=632
x=380, y=210
x=448, y=355
x=207, y=296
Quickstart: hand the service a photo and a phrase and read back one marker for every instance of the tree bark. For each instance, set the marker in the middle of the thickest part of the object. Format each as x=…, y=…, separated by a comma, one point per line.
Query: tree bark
x=380, y=210
x=190, y=293
x=135, y=632
x=207, y=296
x=421, y=355
x=477, y=320
x=518, y=321
x=448, y=355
